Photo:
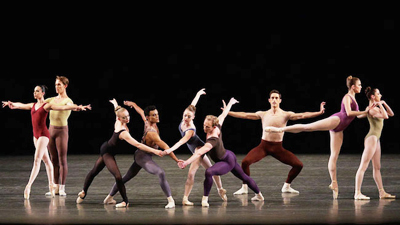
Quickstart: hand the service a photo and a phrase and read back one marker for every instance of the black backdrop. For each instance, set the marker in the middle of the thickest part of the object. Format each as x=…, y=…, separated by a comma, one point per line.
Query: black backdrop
x=307, y=57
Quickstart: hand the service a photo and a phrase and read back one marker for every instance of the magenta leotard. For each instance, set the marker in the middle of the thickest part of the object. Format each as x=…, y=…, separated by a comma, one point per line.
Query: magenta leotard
x=39, y=122
x=344, y=119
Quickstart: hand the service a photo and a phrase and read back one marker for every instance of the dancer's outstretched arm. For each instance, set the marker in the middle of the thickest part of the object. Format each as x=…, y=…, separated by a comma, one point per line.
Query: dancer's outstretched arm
x=18, y=105
x=197, y=154
x=197, y=97
x=125, y=135
x=154, y=137
x=74, y=107
x=307, y=115
x=137, y=108
x=226, y=110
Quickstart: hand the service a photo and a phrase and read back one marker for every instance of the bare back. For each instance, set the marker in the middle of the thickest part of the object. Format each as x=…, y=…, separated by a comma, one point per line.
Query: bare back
x=276, y=119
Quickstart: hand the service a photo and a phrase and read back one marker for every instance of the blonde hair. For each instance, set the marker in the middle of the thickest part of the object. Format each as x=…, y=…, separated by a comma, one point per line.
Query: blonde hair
x=118, y=110
x=191, y=108
x=214, y=120
x=350, y=81
x=63, y=80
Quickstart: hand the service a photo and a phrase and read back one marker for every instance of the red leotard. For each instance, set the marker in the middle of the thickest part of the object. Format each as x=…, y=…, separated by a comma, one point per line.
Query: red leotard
x=39, y=122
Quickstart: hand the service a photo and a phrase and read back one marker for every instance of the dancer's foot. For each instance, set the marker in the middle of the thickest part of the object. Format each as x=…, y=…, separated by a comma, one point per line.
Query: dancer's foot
x=258, y=197
x=27, y=192
x=287, y=189
x=171, y=203
x=222, y=194
x=243, y=190
x=81, y=196
x=384, y=195
x=62, y=190
x=122, y=205
x=109, y=200
x=185, y=201
x=204, y=202
x=359, y=196
x=335, y=189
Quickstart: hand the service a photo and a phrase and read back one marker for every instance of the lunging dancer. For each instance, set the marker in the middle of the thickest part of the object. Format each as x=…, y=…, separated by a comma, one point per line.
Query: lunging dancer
x=271, y=143
x=225, y=160
x=39, y=111
x=335, y=124
x=109, y=149
x=378, y=111
x=151, y=137
x=193, y=142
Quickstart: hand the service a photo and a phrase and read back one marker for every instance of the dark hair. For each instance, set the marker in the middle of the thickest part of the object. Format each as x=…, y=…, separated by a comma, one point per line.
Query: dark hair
x=369, y=91
x=275, y=91
x=350, y=81
x=148, y=109
x=43, y=87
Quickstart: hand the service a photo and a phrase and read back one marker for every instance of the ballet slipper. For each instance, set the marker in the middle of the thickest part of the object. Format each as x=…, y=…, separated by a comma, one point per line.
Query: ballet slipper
x=335, y=191
x=258, y=197
x=171, y=203
x=222, y=194
x=287, y=189
x=204, y=202
x=384, y=195
x=62, y=190
x=109, y=200
x=185, y=201
x=360, y=196
x=243, y=190
x=27, y=192
x=122, y=205
x=81, y=196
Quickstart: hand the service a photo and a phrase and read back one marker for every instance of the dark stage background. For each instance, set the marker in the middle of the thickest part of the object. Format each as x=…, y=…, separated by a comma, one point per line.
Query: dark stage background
x=306, y=57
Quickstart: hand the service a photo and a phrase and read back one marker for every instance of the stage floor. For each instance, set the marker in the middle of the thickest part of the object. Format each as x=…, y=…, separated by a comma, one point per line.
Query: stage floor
x=314, y=204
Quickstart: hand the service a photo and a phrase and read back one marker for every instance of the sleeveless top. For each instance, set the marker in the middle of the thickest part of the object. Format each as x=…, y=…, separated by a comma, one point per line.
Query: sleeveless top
x=59, y=118
x=344, y=119
x=375, y=126
x=194, y=141
x=218, y=151
x=39, y=121
x=110, y=145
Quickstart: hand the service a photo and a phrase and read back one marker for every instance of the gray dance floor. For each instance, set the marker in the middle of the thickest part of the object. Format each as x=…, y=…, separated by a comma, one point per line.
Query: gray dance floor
x=314, y=204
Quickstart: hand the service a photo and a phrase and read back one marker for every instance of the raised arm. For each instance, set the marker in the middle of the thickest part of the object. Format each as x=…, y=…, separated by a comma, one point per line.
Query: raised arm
x=17, y=105
x=388, y=109
x=137, y=108
x=226, y=110
x=197, y=97
x=203, y=150
x=125, y=135
x=306, y=115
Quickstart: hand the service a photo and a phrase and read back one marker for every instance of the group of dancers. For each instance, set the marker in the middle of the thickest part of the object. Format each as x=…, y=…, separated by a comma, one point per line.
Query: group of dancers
x=273, y=121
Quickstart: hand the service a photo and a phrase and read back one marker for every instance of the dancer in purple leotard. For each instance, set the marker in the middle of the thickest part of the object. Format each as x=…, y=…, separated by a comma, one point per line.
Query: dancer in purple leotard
x=335, y=124
x=225, y=160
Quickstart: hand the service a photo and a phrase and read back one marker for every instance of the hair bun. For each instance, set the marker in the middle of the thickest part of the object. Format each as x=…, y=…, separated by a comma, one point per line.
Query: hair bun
x=350, y=77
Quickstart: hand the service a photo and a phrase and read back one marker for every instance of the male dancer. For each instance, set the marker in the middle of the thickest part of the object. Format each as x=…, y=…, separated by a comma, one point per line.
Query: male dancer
x=271, y=143
x=151, y=138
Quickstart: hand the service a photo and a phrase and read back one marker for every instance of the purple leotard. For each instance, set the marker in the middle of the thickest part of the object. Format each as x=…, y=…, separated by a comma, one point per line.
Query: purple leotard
x=344, y=119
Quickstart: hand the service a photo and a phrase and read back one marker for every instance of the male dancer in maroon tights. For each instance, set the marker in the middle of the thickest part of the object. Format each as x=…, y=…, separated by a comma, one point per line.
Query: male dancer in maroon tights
x=271, y=143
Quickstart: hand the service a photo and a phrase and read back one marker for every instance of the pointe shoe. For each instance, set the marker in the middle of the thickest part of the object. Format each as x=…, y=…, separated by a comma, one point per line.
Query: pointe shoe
x=62, y=190
x=222, y=194
x=171, y=203
x=204, y=202
x=243, y=190
x=185, y=201
x=335, y=191
x=360, y=196
x=287, y=189
x=27, y=192
x=386, y=196
x=81, y=196
x=258, y=197
x=122, y=205
x=109, y=200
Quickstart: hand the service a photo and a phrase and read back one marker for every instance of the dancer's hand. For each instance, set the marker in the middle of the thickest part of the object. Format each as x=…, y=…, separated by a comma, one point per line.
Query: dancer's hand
x=201, y=92
x=160, y=153
x=114, y=102
x=182, y=164
x=129, y=103
x=232, y=101
x=322, y=107
x=6, y=103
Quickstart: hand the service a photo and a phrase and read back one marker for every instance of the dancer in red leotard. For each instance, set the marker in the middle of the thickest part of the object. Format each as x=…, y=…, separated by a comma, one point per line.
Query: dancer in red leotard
x=335, y=124
x=39, y=112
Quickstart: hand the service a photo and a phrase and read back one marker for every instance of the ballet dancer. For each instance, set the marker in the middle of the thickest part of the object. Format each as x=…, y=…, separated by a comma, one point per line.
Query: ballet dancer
x=225, y=160
x=58, y=143
x=335, y=124
x=151, y=137
x=379, y=110
x=193, y=142
x=109, y=149
x=271, y=143
x=39, y=111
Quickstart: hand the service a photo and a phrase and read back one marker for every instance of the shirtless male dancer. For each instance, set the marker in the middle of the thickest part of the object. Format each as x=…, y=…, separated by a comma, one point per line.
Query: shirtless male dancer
x=151, y=138
x=271, y=143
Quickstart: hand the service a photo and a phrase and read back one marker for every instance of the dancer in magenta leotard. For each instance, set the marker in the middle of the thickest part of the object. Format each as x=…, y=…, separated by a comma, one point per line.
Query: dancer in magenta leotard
x=39, y=112
x=335, y=124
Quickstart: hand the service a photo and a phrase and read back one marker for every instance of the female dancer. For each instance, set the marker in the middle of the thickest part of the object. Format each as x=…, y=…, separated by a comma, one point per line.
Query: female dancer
x=58, y=143
x=378, y=111
x=225, y=160
x=39, y=111
x=193, y=142
x=109, y=149
x=335, y=124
